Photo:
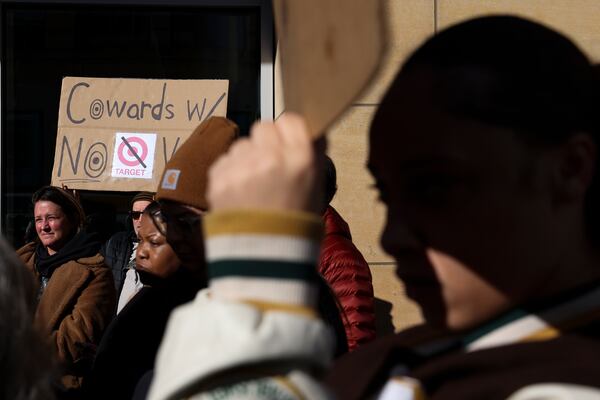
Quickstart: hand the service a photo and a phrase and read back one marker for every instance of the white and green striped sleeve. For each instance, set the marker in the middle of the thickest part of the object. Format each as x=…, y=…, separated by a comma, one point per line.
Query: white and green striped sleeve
x=267, y=259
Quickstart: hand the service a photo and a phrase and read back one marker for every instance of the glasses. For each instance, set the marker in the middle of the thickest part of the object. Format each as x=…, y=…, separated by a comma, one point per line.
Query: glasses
x=135, y=215
x=186, y=222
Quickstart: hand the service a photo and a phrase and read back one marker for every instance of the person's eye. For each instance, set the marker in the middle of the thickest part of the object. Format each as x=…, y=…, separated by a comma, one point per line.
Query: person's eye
x=431, y=189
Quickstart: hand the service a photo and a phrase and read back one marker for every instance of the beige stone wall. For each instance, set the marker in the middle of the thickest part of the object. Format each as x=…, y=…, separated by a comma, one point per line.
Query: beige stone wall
x=410, y=22
x=578, y=19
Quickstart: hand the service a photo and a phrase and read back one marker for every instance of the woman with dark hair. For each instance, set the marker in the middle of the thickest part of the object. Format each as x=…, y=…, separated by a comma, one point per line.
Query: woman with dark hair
x=128, y=349
x=75, y=295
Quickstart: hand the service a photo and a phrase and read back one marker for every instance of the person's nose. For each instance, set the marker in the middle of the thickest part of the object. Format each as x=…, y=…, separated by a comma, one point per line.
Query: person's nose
x=398, y=236
x=46, y=225
x=141, y=252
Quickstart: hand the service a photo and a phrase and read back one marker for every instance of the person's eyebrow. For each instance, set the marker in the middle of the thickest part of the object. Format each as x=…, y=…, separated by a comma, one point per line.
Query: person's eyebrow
x=421, y=163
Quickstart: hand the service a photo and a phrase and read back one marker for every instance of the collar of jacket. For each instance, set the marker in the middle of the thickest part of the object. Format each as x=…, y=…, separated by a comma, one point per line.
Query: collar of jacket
x=567, y=312
x=540, y=321
x=335, y=224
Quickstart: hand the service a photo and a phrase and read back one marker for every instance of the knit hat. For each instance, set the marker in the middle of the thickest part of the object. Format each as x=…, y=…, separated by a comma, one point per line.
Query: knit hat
x=185, y=177
x=145, y=196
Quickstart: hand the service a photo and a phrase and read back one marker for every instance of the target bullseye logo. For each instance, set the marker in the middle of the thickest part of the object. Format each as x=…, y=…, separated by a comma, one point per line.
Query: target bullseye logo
x=133, y=155
x=133, y=151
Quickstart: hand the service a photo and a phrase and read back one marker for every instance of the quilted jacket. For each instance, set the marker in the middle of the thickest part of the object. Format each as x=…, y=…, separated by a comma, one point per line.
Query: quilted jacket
x=347, y=273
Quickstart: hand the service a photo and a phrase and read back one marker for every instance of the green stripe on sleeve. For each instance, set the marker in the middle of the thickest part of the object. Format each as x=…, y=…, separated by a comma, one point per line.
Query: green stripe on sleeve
x=263, y=269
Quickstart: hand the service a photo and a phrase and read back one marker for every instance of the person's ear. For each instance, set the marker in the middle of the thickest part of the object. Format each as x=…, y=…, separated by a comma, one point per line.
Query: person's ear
x=575, y=167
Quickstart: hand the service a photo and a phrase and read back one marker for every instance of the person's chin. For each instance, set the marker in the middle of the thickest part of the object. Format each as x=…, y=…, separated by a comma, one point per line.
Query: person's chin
x=48, y=241
x=141, y=267
x=427, y=294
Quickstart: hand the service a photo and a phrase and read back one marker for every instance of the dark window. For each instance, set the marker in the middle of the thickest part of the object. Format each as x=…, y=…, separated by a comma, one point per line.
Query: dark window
x=42, y=43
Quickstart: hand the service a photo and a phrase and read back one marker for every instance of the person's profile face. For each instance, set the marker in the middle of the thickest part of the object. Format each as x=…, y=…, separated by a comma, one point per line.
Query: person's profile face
x=137, y=209
x=469, y=217
x=154, y=255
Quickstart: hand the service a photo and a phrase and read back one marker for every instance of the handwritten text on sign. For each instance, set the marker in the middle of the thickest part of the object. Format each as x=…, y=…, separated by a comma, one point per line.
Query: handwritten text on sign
x=99, y=108
x=117, y=134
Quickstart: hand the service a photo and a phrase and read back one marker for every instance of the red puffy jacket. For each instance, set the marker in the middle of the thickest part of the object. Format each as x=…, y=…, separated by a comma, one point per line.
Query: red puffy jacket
x=348, y=274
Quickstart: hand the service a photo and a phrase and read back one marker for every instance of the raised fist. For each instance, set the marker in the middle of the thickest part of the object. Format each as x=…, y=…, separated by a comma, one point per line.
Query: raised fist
x=276, y=168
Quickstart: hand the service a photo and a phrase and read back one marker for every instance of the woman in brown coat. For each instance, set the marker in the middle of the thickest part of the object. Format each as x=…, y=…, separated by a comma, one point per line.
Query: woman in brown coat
x=76, y=295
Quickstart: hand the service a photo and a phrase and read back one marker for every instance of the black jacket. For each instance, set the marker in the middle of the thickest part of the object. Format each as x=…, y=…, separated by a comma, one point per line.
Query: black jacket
x=129, y=345
x=117, y=251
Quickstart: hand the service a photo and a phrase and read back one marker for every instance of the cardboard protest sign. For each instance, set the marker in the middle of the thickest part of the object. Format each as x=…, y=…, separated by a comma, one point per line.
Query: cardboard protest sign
x=330, y=50
x=118, y=134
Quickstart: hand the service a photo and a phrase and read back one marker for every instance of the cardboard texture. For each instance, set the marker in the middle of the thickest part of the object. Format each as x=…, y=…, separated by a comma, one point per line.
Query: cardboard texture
x=118, y=134
x=330, y=50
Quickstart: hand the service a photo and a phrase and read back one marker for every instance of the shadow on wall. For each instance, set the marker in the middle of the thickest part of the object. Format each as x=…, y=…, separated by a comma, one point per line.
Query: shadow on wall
x=383, y=317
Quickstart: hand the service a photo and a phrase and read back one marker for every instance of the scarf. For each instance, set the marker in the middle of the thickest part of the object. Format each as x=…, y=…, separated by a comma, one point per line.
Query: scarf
x=81, y=245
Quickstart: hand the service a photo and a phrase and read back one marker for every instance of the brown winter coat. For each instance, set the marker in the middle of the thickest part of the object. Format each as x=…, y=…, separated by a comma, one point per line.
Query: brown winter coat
x=74, y=310
x=493, y=374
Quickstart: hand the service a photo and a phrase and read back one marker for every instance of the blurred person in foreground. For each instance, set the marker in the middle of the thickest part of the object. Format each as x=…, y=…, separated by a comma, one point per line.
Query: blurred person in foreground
x=484, y=150
x=75, y=291
x=345, y=270
x=256, y=331
x=182, y=197
x=25, y=363
x=128, y=347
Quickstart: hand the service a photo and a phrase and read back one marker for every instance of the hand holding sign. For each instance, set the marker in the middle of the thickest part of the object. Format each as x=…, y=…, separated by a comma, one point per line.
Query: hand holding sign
x=99, y=145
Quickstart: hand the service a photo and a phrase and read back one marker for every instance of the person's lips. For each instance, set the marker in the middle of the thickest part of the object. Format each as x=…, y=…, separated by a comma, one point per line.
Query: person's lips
x=142, y=267
x=415, y=272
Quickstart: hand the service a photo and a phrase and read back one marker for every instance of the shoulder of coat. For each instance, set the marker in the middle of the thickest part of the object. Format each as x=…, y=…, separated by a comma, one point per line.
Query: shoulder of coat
x=93, y=262
x=28, y=248
x=27, y=252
